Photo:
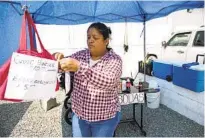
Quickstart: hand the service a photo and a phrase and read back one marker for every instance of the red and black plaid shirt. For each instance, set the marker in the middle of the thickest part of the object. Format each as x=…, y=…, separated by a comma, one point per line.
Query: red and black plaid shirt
x=96, y=88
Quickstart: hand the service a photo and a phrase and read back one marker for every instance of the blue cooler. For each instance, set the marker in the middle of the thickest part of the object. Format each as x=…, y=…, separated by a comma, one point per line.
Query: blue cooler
x=162, y=69
x=190, y=78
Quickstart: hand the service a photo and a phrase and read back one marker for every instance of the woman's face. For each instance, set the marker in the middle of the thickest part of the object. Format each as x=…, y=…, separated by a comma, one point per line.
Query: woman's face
x=96, y=43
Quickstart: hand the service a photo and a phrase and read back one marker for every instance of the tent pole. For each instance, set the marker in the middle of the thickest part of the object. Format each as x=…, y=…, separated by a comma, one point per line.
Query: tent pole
x=144, y=24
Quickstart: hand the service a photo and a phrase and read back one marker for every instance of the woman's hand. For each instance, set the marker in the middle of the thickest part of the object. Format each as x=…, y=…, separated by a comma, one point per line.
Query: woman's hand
x=69, y=64
x=58, y=56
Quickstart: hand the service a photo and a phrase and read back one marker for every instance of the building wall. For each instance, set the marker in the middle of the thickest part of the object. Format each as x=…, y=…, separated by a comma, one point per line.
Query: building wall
x=69, y=39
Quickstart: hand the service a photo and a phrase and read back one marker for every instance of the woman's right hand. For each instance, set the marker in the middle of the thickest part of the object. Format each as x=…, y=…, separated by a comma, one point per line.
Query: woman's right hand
x=58, y=56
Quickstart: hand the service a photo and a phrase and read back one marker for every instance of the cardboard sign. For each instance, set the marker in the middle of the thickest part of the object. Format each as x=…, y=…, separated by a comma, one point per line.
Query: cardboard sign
x=31, y=78
x=131, y=98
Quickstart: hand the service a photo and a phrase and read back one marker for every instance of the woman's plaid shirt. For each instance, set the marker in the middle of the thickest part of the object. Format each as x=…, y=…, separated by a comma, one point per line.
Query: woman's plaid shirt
x=96, y=88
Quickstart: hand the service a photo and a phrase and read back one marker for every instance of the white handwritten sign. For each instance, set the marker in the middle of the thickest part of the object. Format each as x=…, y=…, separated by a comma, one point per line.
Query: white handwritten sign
x=131, y=98
x=31, y=78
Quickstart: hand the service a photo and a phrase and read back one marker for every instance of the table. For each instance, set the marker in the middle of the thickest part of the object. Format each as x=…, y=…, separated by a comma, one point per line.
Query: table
x=134, y=97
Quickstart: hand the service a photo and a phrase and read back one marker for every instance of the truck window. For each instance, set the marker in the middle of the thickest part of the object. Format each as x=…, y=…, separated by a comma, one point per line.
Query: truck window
x=199, y=39
x=180, y=39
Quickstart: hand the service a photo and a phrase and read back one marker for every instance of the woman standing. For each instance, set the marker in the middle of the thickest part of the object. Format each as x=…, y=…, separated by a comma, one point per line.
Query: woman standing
x=95, y=104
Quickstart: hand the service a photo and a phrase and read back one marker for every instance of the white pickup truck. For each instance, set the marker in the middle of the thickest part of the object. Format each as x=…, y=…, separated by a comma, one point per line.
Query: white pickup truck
x=182, y=46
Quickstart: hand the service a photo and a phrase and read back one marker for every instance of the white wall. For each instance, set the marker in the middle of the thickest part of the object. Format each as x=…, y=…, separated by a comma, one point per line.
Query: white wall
x=182, y=20
x=69, y=39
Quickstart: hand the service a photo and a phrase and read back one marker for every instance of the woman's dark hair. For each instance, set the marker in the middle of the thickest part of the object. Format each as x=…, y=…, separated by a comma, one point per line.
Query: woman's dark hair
x=102, y=28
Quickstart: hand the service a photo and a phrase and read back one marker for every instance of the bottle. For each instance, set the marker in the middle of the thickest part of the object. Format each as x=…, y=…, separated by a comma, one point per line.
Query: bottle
x=140, y=85
x=123, y=85
x=128, y=85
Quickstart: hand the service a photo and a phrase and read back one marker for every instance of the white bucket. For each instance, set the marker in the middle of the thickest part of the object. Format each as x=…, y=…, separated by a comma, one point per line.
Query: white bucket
x=153, y=100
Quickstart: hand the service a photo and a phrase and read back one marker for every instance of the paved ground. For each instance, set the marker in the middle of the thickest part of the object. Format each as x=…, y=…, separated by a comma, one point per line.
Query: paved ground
x=30, y=120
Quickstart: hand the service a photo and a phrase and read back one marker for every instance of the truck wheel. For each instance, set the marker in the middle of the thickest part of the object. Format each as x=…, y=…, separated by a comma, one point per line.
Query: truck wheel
x=151, y=57
x=152, y=73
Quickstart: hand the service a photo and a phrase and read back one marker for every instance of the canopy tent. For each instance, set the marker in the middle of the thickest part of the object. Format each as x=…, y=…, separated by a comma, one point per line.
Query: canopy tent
x=79, y=12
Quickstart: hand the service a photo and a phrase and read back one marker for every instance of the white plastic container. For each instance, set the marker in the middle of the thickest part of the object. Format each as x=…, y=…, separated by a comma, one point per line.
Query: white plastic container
x=153, y=100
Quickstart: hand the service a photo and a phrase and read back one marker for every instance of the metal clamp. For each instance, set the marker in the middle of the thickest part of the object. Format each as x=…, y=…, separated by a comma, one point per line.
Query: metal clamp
x=25, y=8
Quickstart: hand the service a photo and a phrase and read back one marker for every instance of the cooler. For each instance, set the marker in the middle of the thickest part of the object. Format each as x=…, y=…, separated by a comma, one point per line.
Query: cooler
x=162, y=69
x=190, y=78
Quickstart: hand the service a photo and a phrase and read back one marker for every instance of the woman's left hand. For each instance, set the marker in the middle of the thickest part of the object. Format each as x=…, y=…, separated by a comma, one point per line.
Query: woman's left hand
x=69, y=64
